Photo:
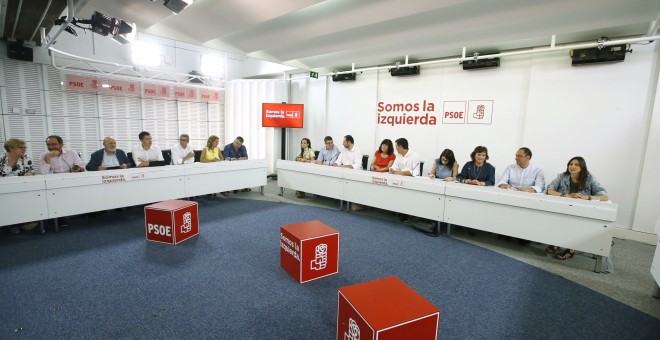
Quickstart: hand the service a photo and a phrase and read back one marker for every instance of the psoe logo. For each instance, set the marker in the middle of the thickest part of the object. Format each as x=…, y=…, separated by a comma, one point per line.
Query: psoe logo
x=186, y=227
x=292, y=114
x=353, y=330
x=321, y=259
x=480, y=112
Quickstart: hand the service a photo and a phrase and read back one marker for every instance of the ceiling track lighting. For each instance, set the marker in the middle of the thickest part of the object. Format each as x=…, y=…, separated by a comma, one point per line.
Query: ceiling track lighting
x=121, y=31
x=176, y=6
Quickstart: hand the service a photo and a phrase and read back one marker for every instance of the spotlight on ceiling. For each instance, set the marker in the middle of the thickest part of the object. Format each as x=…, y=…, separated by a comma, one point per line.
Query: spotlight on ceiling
x=103, y=24
x=126, y=33
x=177, y=6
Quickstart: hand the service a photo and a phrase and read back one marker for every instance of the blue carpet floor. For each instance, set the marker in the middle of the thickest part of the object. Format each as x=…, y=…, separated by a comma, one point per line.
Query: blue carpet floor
x=99, y=278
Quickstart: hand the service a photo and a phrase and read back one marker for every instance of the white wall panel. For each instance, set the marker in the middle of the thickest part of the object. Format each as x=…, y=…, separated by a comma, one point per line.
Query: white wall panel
x=194, y=111
x=196, y=130
x=161, y=129
x=119, y=107
x=160, y=109
x=121, y=129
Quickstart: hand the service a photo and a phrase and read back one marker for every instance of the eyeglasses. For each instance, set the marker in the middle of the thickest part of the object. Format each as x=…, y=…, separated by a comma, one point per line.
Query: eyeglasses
x=22, y=147
x=183, y=140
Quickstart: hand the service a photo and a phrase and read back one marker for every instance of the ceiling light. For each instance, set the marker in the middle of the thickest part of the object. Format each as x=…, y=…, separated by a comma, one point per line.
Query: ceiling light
x=126, y=33
x=212, y=65
x=145, y=53
x=177, y=6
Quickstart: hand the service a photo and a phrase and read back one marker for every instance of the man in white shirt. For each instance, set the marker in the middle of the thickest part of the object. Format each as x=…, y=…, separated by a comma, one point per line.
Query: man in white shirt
x=351, y=157
x=145, y=153
x=407, y=162
x=182, y=153
x=523, y=176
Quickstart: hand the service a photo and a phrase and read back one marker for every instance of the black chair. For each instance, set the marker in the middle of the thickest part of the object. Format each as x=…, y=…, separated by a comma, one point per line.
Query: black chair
x=167, y=156
x=198, y=155
x=131, y=162
x=316, y=154
x=365, y=161
x=421, y=168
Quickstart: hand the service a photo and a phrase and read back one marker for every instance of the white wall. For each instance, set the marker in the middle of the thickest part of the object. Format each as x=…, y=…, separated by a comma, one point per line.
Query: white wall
x=600, y=112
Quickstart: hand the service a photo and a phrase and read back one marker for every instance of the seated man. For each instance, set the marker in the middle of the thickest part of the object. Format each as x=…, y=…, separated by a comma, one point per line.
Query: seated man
x=145, y=153
x=405, y=164
x=329, y=153
x=182, y=153
x=58, y=159
x=235, y=151
x=351, y=157
x=523, y=176
x=108, y=158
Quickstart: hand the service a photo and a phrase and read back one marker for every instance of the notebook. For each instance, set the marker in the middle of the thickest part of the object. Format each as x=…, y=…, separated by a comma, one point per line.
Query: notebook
x=157, y=163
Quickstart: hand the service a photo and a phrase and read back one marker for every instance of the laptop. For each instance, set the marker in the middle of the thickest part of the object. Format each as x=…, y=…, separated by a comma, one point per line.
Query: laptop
x=157, y=163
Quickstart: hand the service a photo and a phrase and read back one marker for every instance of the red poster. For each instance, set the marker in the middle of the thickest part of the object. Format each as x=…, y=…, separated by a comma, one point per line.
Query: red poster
x=282, y=115
x=180, y=92
x=150, y=90
x=204, y=95
x=191, y=94
x=116, y=86
x=81, y=83
x=131, y=87
x=163, y=91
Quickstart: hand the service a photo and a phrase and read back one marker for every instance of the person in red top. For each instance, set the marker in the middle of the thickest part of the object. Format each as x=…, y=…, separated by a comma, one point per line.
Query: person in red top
x=384, y=157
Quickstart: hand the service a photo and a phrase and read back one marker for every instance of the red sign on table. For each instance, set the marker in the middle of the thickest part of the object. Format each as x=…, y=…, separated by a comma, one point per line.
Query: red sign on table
x=171, y=221
x=309, y=250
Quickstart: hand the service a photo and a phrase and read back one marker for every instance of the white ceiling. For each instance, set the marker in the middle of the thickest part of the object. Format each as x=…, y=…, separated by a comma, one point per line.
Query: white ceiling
x=333, y=34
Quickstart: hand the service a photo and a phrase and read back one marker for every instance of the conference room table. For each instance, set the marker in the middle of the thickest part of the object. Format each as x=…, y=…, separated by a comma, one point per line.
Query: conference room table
x=576, y=224
x=26, y=199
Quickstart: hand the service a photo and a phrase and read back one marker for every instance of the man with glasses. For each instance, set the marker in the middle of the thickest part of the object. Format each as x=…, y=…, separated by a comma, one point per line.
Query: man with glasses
x=182, y=153
x=108, y=158
x=329, y=153
x=58, y=159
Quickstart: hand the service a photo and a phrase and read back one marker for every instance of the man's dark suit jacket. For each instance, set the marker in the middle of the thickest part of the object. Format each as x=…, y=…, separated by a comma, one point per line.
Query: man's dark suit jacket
x=96, y=159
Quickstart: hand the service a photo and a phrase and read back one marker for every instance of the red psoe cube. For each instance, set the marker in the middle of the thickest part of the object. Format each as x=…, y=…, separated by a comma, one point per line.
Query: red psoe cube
x=309, y=250
x=171, y=221
x=385, y=309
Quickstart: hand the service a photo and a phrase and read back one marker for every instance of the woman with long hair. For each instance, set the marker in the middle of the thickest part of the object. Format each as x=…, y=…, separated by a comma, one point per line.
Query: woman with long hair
x=575, y=182
x=211, y=152
x=445, y=167
x=306, y=155
x=383, y=157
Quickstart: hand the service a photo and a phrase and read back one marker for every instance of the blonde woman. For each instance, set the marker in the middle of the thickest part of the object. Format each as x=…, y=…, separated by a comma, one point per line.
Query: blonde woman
x=211, y=152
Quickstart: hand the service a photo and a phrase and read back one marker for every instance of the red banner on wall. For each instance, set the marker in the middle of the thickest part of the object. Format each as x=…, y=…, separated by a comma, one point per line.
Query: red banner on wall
x=80, y=83
x=209, y=95
x=151, y=90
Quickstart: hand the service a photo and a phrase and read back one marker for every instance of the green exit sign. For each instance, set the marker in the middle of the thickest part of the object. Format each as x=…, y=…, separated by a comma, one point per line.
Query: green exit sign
x=314, y=74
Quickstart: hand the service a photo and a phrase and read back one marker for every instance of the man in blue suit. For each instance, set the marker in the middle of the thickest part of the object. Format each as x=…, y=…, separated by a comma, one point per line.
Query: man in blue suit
x=108, y=158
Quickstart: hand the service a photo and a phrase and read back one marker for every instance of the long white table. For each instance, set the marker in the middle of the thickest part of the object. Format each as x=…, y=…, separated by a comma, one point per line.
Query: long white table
x=23, y=199
x=26, y=199
x=580, y=225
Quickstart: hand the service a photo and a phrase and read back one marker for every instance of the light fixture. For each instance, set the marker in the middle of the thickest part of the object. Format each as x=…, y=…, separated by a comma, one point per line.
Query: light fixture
x=121, y=31
x=176, y=6
x=126, y=34
x=212, y=65
x=145, y=53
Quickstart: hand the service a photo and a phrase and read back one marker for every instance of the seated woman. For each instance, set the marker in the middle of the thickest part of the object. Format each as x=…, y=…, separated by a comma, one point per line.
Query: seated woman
x=211, y=152
x=383, y=157
x=306, y=155
x=477, y=171
x=16, y=163
x=575, y=182
x=445, y=167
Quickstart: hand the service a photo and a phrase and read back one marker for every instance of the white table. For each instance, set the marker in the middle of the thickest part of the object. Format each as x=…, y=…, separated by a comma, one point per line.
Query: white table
x=23, y=199
x=576, y=224
x=570, y=223
x=206, y=178
x=415, y=196
x=26, y=199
